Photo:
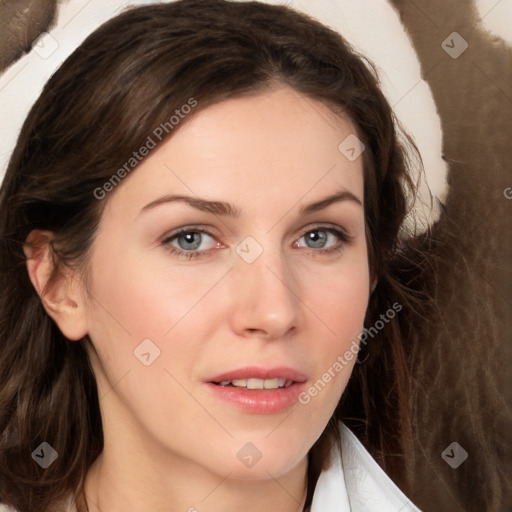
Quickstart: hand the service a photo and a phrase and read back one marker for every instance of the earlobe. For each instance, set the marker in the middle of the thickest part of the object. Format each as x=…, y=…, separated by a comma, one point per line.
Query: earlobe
x=60, y=293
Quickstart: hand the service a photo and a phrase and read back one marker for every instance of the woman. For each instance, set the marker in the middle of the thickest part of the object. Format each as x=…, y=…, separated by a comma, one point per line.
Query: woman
x=202, y=223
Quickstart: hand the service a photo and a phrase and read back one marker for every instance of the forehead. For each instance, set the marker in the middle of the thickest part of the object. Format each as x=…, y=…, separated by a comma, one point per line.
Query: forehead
x=276, y=147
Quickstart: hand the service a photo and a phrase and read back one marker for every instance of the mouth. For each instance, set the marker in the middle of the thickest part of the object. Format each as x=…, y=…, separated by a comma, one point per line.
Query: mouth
x=255, y=383
x=258, y=390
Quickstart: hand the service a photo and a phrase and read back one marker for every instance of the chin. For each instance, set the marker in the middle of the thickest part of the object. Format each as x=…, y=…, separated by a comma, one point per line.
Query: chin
x=261, y=459
x=268, y=469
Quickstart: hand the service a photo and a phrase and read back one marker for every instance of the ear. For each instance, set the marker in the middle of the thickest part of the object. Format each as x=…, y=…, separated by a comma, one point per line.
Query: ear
x=61, y=296
x=374, y=285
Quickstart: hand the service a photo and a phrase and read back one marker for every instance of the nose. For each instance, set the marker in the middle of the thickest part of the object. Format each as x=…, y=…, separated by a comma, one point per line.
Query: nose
x=265, y=301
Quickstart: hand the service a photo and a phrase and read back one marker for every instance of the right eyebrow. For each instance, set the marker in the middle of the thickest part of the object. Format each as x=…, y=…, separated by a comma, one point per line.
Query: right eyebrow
x=215, y=207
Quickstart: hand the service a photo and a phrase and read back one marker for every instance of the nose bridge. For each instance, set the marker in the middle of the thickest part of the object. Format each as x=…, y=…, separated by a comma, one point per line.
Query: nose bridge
x=263, y=289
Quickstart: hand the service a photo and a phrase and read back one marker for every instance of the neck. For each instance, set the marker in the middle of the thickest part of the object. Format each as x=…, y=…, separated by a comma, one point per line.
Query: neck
x=112, y=485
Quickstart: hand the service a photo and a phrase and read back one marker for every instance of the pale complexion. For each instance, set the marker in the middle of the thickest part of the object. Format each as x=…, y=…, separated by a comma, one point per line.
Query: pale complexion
x=170, y=445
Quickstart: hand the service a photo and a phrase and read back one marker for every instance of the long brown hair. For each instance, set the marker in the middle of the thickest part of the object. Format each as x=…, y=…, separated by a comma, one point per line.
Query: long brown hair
x=122, y=82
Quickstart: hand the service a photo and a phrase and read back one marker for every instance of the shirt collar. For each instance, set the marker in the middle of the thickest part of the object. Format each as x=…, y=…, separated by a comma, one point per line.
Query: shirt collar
x=356, y=483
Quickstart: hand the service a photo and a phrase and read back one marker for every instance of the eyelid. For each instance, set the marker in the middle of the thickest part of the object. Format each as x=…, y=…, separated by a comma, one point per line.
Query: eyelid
x=336, y=228
x=200, y=228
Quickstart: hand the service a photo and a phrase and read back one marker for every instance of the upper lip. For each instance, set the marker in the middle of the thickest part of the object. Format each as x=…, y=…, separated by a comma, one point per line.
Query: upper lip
x=259, y=372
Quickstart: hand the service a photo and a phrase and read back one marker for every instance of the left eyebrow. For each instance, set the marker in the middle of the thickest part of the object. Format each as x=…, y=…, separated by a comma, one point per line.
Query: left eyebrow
x=344, y=195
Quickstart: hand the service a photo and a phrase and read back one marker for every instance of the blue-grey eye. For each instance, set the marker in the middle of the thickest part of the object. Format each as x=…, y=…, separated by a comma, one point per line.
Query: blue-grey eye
x=324, y=239
x=190, y=241
x=316, y=239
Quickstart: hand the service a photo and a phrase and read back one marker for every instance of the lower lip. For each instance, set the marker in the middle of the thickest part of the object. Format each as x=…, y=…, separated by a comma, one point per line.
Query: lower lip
x=259, y=401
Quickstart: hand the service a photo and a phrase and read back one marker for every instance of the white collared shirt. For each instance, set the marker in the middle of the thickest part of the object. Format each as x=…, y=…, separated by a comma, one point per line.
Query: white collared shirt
x=353, y=483
x=356, y=483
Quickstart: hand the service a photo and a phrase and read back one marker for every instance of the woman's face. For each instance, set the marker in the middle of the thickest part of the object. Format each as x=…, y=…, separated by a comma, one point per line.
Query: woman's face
x=235, y=251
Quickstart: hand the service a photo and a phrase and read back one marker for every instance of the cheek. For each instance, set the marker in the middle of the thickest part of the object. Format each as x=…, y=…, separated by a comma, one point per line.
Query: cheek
x=144, y=298
x=339, y=298
x=142, y=314
x=343, y=304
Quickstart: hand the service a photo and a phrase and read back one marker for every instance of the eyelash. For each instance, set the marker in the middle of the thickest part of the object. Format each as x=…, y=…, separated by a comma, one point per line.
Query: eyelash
x=344, y=237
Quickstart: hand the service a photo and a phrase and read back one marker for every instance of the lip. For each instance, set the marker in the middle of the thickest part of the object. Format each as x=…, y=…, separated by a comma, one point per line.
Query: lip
x=259, y=401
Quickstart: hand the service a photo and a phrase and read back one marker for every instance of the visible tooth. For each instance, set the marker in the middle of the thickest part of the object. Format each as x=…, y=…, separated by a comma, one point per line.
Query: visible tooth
x=271, y=383
x=255, y=383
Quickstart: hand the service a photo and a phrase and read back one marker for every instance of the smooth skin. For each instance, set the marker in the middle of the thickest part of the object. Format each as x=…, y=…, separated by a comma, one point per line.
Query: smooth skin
x=170, y=445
